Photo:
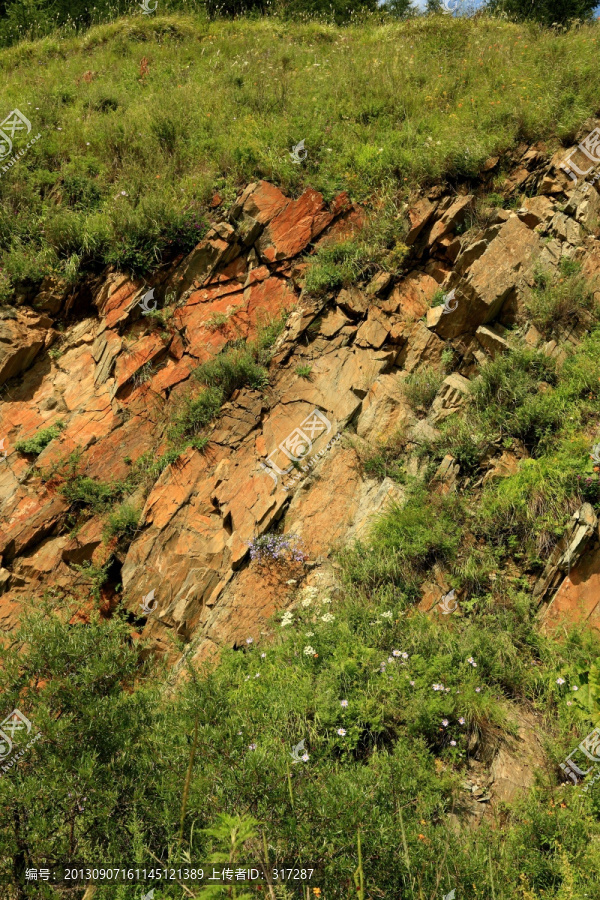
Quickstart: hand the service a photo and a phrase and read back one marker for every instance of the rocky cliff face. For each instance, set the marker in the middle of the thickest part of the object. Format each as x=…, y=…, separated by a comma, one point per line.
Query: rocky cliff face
x=289, y=456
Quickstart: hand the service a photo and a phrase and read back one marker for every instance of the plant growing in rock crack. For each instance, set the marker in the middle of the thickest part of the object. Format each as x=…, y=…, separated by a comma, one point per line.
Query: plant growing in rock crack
x=143, y=374
x=303, y=371
x=279, y=549
x=420, y=387
x=34, y=446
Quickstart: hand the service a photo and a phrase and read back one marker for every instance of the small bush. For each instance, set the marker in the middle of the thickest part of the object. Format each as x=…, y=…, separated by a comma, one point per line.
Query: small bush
x=122, y=523
x=34, y=446
x=83, y=491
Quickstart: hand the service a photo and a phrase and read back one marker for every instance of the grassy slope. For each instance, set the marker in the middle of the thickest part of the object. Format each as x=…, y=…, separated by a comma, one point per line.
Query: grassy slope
x=126, y=160
x=128, y=753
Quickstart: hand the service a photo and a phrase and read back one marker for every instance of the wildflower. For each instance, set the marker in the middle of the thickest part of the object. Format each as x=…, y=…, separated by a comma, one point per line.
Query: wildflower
x=309, y=633
x=472, y=662
x=257, y=675
x=390, y=659
x=306, y=602
x=461, y=721
x=287, y=619
x=344, y=703
x=412, y=683
x=309, y=651
x=453, y=743
x=262, y=655
x=249, y=640
x=327, y=618
x=239, y=732
x=387, y=615
x=445, y=723
x=569, y=703
x=405, y=656
x=574, y=688
x=123, y=193
x=560, y=680
x=326, y=600
x=341, y=732
x=305, y=757
x=396, y=653
x=251, y=746
x=478, y=690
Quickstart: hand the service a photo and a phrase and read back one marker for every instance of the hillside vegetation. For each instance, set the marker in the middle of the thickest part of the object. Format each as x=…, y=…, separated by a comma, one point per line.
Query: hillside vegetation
x=143, y=119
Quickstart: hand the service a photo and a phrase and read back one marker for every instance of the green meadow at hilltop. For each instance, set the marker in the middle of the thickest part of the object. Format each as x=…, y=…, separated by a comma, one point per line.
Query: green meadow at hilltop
x=143, y=119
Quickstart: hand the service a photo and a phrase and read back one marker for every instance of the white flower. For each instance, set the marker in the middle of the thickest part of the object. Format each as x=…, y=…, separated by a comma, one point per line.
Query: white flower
x=309, y=633
x=396, y=653
x=123, y=193
x=574, y=688
x=387, y=615
x=309, y=651
x=306, y=602
x=287, y=619
x=305, y=757
x=327, y=618
x=326, y=600
x=560, y=680
x=341, y=732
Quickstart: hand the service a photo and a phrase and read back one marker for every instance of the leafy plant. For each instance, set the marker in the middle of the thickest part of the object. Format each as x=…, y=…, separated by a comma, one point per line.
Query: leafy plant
x=34, y=446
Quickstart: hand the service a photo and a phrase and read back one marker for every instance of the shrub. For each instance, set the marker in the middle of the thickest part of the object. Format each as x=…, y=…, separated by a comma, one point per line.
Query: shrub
x=122, y=523
x=83, y=491
x=34, y=446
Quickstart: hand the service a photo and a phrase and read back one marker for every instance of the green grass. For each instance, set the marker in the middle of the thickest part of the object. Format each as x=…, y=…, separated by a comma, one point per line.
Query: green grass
x=382, y=108
x=559, y=301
